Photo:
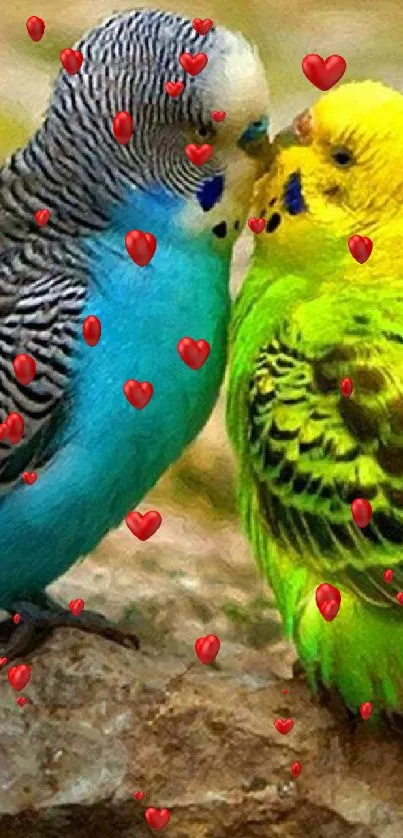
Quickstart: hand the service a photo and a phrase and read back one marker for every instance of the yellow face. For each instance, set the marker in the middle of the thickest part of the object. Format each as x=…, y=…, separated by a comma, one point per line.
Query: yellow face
x=343, y=176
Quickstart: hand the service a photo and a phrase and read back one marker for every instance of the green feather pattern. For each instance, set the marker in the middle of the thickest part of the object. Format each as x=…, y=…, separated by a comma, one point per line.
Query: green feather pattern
x=305, y=452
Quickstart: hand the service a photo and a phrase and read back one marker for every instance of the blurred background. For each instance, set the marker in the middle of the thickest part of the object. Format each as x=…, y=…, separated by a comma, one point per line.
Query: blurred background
x=198, y=560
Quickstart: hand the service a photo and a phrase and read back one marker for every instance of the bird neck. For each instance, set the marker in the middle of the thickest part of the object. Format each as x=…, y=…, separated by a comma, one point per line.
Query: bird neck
x=324, y=260
x=155, y=211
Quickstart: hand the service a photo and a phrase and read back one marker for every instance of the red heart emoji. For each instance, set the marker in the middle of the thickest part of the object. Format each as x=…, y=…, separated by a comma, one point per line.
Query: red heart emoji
x=326, y=592
x=328, y=599
x=207, y=648
x=140, y=247
x=35, y=27
x=346, y=387
x=399, y=597
x=15, y=428
x=16, y=619
x=202, y=26
x=21, y=700
x=256, y=224
x=19, y=676
x=361, y=511
x=330, y=610
x=388, y=575
x=29, y=477
x=138, y=795
x=144, y=526
x=174, y=88
x=323, y=74
x=218, y=116
x=72, y=60
x=157, y=818
x=296, y=769
x=198, y=154
x=138, y=393
x=42, y=217
x=194, y=353
x=284, y=725
x=24, y=368
x=366, y=710
x=122, y=127
x=193, y=64
x=3, y=661
x=92, y=330
x=76, y=606
x=360, y=248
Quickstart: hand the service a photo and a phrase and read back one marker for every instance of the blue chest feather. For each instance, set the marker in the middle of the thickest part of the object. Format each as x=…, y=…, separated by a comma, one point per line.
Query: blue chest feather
x=109, y=453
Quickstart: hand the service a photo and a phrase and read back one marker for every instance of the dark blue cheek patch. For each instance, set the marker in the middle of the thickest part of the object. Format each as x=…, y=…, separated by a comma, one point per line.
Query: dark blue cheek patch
x=210, y=192
x=293, y=198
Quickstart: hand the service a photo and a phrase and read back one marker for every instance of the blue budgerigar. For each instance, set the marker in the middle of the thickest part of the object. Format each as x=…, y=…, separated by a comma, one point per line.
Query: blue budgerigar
x=96, y=455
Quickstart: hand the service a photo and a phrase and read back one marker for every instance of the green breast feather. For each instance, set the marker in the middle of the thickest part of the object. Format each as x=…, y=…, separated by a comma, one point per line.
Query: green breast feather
x=308, y=451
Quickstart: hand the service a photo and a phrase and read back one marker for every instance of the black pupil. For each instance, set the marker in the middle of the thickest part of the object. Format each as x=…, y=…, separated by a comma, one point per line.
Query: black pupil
x=203, y=131
x=342, y=157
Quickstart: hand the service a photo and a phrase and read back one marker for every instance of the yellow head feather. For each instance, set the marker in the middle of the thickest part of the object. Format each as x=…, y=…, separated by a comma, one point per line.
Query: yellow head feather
x=350, y=159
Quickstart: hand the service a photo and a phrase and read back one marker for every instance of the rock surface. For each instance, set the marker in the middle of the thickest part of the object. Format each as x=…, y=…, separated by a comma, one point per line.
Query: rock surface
x=104, y=721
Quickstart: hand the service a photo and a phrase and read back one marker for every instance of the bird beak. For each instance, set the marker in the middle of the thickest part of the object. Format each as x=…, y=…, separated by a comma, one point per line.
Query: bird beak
x=263, y=152
x=298, y=133
x=285, y=138
x=302, y=127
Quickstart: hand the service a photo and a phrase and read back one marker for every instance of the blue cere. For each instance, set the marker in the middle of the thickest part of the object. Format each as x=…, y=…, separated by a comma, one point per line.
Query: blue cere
x=210, y=192
x=293, y=199
x=255, y=131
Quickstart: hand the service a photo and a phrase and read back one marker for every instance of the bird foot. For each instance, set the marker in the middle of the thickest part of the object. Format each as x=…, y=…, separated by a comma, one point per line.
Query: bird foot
x=19, y=641
x=38, y=622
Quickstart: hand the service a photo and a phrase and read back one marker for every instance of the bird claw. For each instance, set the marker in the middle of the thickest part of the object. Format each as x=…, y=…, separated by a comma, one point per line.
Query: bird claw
x=38, y=622
x=94, y=623
x=21, y=640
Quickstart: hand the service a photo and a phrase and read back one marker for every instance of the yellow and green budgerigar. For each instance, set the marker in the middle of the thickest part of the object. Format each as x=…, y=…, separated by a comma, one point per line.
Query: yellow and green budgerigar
x=309, y=316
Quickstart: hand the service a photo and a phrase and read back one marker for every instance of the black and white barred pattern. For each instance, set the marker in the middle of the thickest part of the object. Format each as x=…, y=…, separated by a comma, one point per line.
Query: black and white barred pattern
x=126, y=64
x=74, y=167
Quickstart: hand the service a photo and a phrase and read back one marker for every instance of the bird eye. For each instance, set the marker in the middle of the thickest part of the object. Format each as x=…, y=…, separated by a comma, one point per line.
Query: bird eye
x=204, y=131
x=342, y=156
